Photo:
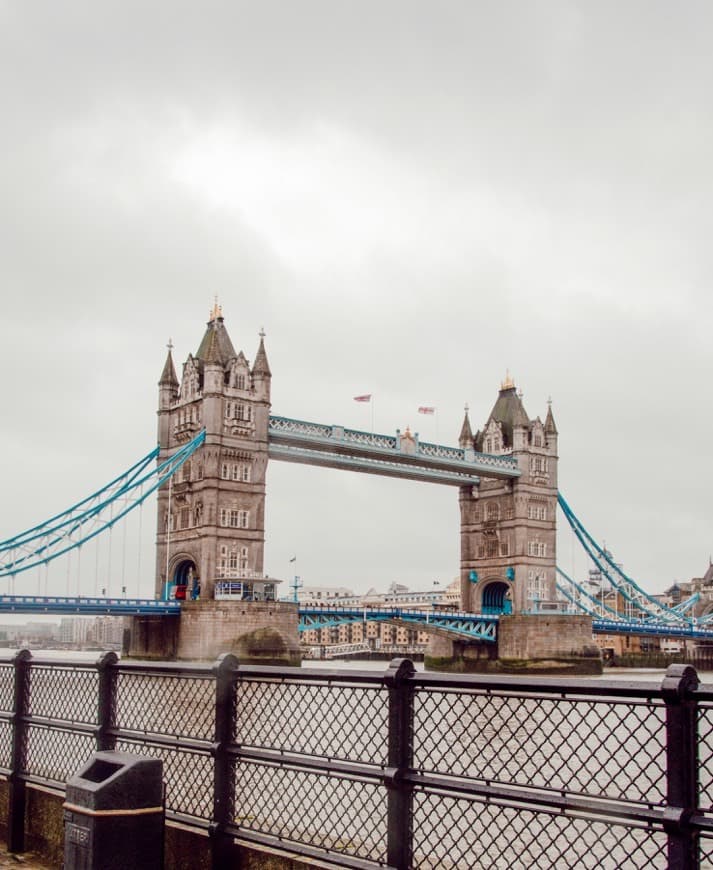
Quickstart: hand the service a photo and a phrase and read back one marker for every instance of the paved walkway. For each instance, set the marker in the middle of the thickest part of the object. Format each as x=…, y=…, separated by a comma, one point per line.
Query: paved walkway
x=26, y=861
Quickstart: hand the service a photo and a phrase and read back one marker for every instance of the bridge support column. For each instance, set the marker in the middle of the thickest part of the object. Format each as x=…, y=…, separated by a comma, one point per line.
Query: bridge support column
x=461, y=656
x=547, y=644
x=552, y=644
x=257, y=632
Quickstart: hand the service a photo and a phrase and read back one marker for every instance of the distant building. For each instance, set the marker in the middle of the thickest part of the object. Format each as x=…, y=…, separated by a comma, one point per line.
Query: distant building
x=381, y=635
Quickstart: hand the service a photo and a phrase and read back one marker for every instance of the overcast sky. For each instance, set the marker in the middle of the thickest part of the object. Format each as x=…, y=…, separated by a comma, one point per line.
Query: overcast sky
x=410, y=198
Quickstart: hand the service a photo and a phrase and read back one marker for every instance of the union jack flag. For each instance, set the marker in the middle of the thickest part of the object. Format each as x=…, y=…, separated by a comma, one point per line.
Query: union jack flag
x=426, y=410
x=366, y=398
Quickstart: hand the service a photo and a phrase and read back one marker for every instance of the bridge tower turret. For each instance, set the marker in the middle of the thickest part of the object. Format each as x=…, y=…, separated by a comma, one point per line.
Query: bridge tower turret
x=508, y=529
x=211, y=517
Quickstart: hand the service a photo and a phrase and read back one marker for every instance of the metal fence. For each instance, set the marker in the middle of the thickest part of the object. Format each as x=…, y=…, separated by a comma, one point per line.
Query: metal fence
x=385, y=769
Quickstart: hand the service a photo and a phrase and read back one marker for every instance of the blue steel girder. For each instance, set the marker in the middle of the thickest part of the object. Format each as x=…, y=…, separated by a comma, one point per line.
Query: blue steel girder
x=88, y=605
x=650, y=629
x=394, y=456
x=473, y=626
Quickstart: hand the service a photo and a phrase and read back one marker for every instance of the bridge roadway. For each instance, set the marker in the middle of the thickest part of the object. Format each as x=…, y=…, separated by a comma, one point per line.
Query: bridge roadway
x=473, y=626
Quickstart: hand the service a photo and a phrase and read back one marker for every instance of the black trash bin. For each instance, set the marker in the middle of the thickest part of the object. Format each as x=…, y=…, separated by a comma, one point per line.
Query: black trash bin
x=114, y=814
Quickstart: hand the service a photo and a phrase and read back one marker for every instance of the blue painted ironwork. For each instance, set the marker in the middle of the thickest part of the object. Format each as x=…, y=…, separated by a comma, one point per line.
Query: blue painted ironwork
x=93, y=515
x=88, y=605
x=474, y=626
x=639, y=599
x=394, y=456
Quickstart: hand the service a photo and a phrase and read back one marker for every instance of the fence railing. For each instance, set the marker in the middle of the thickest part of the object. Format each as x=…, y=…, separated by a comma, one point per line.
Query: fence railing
x=392, y=768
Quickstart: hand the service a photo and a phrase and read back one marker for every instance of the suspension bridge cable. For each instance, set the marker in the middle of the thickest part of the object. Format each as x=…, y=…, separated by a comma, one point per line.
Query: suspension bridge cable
x=590, y=544
x=583, y=591
x=61, y=537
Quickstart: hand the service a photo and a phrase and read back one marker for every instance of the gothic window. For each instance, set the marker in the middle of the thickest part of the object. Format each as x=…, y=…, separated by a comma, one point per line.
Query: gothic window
x=509, y=511
x=492, y=512
x=504, y=548
x=240, y=382
x=245, y=473
x=244, y=558
x=186, y=471
x=492, y=548
x=537, y=441
x=225, y=471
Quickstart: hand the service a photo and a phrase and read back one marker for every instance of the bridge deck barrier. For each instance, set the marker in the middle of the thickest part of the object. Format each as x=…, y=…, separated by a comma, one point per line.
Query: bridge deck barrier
x=392, y=768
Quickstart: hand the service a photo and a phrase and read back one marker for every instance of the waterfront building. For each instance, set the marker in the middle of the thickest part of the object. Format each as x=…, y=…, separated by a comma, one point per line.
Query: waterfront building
x=377, y=634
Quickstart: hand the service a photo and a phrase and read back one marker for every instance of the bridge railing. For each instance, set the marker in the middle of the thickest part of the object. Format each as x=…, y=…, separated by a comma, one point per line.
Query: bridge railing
x=384, y=769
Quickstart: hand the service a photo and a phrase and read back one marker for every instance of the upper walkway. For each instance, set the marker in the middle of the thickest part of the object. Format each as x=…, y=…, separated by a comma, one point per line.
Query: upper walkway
x=400, y=455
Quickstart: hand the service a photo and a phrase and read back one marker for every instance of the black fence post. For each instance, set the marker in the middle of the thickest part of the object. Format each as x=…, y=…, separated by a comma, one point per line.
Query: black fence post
x=223, y=778
x=399, y=848
x=677, y=689
x=106, y=701
x=18, y=758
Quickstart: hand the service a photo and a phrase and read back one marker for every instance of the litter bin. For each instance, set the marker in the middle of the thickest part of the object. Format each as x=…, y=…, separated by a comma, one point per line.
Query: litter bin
x=114, y=814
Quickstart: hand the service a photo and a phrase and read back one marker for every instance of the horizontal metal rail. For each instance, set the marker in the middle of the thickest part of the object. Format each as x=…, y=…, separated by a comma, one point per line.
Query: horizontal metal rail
x=365, y=769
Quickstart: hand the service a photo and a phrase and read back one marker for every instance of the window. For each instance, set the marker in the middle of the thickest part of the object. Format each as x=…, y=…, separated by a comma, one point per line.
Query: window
x=538, y=464
x=504, y=548
x=245, y=473
x=536, y=548
x=241, y=382
x=492, y=511
x=537, y=510
x=535, y=585
x=225, y=471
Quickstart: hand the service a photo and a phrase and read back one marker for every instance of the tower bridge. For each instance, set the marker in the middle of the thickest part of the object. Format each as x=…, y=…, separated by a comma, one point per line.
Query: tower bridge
x=216, y=435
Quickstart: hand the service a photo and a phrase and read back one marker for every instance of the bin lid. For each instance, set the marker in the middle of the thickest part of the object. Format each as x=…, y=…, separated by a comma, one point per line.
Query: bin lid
x=117, y=781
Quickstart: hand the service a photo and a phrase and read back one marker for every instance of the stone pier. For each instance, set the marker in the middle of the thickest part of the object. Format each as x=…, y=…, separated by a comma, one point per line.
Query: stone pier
x=257, y=632
x=527, y=644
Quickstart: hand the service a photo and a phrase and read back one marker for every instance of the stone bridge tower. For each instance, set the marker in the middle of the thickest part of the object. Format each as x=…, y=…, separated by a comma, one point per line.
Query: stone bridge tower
x=508, y=541
x=211, y=517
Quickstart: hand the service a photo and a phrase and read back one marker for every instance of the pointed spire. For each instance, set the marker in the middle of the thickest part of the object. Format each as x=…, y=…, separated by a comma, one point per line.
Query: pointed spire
x=550, y=427
x=261, y=365
x=465, y=439
x=168, y=375
x=216, y=346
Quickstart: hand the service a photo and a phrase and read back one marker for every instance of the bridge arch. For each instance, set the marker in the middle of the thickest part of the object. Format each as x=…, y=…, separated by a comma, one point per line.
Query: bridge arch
x=183, y=576
x=493, y=597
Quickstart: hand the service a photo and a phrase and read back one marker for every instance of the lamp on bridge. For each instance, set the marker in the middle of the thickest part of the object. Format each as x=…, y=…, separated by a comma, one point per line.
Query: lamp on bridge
x=473, y=576
x=510, y=573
